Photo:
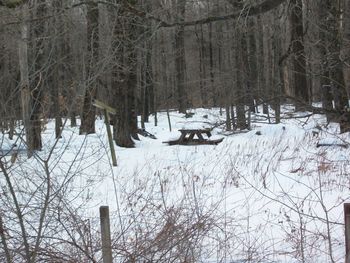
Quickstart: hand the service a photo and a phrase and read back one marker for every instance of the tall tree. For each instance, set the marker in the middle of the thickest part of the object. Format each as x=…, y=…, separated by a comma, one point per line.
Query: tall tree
x=125, y=77
x=323, y=46
x=39, y=74
x=31, y=91
x=332, y=79
x=180, y=63
x=88, y=113
x=301, y=89
x=335, y=63
x=346, y=44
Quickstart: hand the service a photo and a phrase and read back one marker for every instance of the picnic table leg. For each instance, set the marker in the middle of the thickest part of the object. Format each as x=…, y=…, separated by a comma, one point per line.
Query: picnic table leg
x=182, y=137
x=200, y=136
x=190, y=138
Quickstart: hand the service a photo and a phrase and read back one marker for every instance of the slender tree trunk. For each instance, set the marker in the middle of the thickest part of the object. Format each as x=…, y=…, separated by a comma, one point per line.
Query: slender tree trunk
x=233, y=121
x=228, y=117
x=301, y=89
x=89, y=111
x=277, y=69
x=149, y=80
x=33, y=142
x=259, y=60
x=165, y=79
x=148, y=92
x=57, y=73
x=142, y=84
x=240, y=90
x=346, y=45
x=211, y=66
x=267, y=65
x=253, y=67
x=336, y=73
x=247, y=66
x=180, y=63
x=156, y=79
x=40, y=73
x=326, y=95
x=4, y=238
x=333, y=80
x=131, y=97
x=202, y=69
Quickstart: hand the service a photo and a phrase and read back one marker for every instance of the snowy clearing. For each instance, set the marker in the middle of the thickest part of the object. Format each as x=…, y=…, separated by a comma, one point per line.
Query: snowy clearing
x=267, y=195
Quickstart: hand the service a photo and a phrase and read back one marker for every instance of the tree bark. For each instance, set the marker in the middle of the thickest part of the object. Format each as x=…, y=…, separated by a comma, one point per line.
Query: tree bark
x=240, y=85
x=124, y=119
x=180, y=63
x=125, y=82
x=29, y=97
x=202, y=69
x=336, y=65
x=346, y=45
x=211, y=67
x=89, y=112
x=57, y=72
x=301, y=89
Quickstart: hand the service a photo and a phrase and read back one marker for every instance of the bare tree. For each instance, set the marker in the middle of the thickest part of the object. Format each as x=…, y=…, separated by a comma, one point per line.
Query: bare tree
x=88, y=112
x=180, y=64
x=298, y=52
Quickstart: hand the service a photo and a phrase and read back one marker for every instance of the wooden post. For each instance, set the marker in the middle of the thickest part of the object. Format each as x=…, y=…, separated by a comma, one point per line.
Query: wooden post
x=105, y=235
x=107, y=110
x=110, y=138
x=347, y=231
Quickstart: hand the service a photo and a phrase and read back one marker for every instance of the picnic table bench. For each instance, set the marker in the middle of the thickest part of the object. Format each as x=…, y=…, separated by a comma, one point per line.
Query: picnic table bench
x=194, y=137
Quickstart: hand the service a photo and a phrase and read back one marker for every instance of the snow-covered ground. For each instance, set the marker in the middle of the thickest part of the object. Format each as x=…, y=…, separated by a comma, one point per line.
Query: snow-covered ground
x=266, y=195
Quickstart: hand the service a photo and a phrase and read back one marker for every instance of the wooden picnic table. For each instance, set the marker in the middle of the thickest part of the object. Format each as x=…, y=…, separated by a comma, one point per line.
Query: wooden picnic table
x=195, y=137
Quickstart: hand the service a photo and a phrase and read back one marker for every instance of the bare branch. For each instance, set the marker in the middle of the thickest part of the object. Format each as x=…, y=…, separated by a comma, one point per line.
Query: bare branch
x=11, y=3
x=264, y=7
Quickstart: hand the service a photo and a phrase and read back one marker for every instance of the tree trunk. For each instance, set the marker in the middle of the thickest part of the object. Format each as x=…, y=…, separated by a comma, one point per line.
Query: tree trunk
x=336, y=73
x=333, y=80
x=125, y=79
x=253, y=67
x=180, y=63
x=277, y=69
x=202, y=70
x=211, y=66
x=57, y=73
x=301, y=89
x=40, y=74
x=326, y=96
x=89, y=112
x=29, y=113
x=346, y=45
x=121, y=129
x=266, y=45
x=259, y=60
x=240, y=90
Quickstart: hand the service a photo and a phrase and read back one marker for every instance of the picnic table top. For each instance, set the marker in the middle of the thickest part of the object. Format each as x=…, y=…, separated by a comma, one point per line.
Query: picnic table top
x=204, y=130
x=196, y=126
x=191, y=140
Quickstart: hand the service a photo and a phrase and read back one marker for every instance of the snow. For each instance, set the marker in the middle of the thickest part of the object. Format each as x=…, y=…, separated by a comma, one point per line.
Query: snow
x=331, y=141
x=196, y=126
x=272, y=197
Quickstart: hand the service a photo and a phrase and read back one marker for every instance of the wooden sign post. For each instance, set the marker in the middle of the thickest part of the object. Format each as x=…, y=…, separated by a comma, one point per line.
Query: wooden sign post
x=347, y=231
x=107, y=110
x=106, y=235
